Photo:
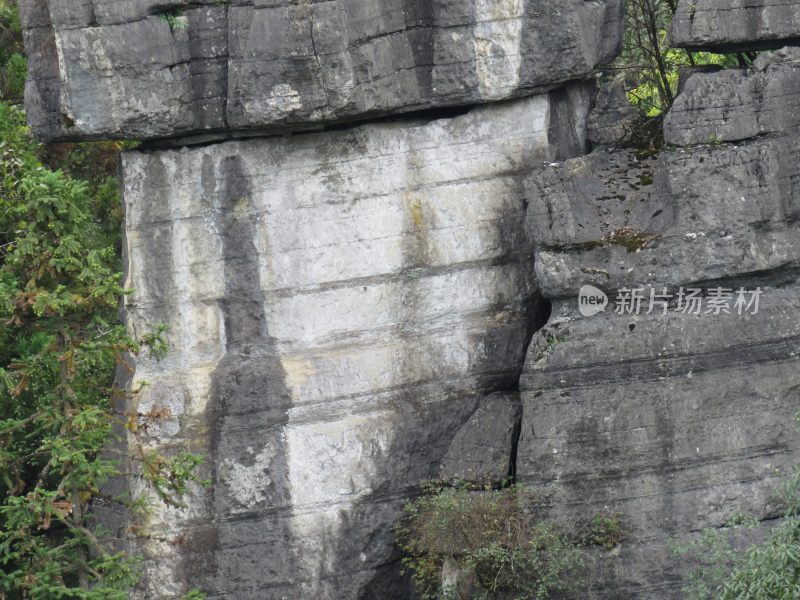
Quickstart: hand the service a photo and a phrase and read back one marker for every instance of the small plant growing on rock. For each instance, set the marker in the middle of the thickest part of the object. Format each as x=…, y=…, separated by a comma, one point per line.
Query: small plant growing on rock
x=501, y=545
x=174, y=19
x=631, y=240
x=606, y=529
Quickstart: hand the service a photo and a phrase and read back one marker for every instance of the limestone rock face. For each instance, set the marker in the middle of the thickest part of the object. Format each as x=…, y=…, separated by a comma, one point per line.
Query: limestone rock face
x=737, y=104
x=676, y=415
x=671, y=411
x=146, y=69
x=612, y=219
x=354, y=311
x=677, y=421
x=613, y=119
x=482, y=451
x=727, y=25
x=339, y=303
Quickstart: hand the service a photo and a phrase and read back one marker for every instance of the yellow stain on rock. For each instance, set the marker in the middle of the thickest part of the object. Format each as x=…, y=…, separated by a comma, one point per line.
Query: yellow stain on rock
x=415, y=207
x=297, y=373
x=242, y=206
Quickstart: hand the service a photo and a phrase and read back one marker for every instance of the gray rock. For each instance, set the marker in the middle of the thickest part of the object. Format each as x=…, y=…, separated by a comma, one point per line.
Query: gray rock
x=122, y=70
x=344, y=305
x=612, y=219
x=339, y=303
x=728, y=25
x=785, y=54
x=677, y=421
x=460, y=582
x=737, y=104
x=481, y=451
x=613, y=120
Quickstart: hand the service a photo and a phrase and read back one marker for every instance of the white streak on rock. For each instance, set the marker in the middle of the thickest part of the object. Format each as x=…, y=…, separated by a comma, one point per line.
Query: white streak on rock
x=498, y=38
x=248, y=483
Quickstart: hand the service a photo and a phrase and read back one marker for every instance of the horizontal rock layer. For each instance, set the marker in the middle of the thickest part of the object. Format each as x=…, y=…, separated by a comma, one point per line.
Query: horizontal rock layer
x=737, y=104
x=728, y=25
x=615, y=219
x=150, y=69
x=339, y=305
x=677, y=421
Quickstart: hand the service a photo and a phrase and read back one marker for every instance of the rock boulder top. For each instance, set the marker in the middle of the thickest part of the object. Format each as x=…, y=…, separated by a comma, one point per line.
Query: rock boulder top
x=147, y=69
x=729, y=25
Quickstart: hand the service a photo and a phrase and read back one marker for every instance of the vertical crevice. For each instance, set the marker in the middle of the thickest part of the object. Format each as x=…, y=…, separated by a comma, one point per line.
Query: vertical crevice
x=315, y=51
x=419, y=19
x=512, y=461
x=539, y=314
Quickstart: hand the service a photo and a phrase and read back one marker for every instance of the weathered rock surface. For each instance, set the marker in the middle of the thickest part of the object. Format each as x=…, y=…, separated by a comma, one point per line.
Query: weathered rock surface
x=613, y=119
x=339, y=303
x=482, y=450
x=126, y=69
x=345, y=306
x=674, y=418
x=726, y=25
x=677, y=421
x=612, y=219
x=737, y=104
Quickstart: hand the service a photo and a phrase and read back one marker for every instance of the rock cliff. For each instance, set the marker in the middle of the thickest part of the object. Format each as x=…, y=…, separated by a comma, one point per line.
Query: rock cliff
x=677, y=413
x=149, y=68
x=339, y=305
x=379, y=285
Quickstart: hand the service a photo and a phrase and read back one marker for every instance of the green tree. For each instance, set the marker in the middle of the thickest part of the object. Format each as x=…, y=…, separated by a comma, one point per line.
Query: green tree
x=61, y=341
x=649, y=66
x=13, y=65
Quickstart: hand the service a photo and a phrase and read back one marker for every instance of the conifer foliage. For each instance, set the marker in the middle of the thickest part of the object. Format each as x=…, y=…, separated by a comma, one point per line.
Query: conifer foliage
x=61, y=342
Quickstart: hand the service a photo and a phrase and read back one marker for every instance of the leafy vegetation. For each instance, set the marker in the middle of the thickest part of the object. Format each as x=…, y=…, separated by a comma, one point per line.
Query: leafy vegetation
x=499, y=536
x=60, y=343
x=174, y=19
x=768, y=570
x=605, y=529
x=13, y=66
x=651, y=68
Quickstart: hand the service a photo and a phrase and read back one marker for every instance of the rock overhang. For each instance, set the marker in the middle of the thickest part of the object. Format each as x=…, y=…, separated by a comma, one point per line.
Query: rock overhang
x=150, y=70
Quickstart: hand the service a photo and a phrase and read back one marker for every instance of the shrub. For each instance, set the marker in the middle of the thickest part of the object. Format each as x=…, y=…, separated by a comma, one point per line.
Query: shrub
x=14, y=75
x=650, y=67
x=498, y=535
x=13, y=66
x=606, y=530
x=767, y=570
